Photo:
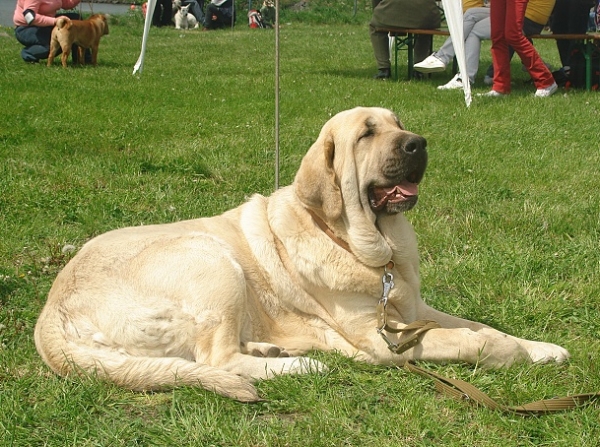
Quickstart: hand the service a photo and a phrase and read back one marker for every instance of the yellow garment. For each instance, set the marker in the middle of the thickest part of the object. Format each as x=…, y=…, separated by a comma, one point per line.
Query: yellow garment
x=539, y=11
x=471, y=4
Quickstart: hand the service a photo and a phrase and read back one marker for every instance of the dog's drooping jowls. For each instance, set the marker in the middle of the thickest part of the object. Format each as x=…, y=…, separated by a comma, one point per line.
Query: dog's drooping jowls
x=84, y=33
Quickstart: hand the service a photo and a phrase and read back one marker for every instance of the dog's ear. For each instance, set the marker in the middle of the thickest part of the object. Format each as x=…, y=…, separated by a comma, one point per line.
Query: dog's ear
x=316, y=182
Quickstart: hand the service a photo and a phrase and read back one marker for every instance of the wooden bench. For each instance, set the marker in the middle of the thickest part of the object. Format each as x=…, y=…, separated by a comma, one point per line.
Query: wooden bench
x=404, y=39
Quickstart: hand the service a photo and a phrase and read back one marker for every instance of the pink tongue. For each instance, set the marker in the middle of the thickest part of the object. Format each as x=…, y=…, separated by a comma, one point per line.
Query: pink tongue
x=395, y=194
x=408, y=189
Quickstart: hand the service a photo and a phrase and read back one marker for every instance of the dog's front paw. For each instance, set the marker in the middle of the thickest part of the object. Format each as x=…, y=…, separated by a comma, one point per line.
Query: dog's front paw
x=540, y=352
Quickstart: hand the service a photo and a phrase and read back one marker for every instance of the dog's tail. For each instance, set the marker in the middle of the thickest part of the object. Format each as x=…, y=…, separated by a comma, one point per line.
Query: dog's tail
x=62, y=22
x=136, y=372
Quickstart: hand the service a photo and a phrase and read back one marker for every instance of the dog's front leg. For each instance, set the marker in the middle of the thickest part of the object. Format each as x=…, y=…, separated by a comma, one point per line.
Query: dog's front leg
x=95, y=54
x=478, y=343
x=80, y=55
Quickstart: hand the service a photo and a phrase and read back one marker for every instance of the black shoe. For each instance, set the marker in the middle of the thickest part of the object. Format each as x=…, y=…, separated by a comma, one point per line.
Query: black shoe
x=561, y=76
x=383, y=73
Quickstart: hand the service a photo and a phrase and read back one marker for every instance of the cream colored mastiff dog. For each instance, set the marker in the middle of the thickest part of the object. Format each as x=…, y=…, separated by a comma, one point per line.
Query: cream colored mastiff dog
x=219, y=302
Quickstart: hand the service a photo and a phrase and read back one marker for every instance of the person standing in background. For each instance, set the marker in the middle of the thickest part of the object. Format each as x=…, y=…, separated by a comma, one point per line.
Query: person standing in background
x=163, y=13
x=537, y=16
x=506, y=17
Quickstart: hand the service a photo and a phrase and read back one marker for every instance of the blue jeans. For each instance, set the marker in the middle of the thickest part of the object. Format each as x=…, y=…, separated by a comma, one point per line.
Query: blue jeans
x=196, y=8
x=36, y=40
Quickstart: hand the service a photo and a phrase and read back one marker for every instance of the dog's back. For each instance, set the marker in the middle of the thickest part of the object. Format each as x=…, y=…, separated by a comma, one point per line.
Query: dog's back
x=87, y=32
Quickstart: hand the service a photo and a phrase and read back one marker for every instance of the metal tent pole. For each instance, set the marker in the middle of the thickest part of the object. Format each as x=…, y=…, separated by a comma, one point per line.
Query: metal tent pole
x=276, y=94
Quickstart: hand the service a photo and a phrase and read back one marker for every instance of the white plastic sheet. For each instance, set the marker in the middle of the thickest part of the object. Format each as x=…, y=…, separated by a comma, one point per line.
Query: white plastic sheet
x=454, y=18
x=139, y=65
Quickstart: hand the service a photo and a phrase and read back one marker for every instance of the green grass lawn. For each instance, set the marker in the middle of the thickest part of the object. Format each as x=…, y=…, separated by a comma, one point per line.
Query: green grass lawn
x=508, y=224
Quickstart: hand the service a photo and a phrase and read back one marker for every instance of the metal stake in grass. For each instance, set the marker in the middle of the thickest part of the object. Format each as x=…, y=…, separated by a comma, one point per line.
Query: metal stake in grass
x=276, y=95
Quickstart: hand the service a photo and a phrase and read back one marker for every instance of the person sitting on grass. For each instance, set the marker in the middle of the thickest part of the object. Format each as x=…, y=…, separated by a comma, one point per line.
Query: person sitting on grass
x=34, y=21
x=267, y=12
x=219, y=14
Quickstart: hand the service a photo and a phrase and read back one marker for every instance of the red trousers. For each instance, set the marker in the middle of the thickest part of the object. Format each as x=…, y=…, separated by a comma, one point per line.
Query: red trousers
x=506, y=19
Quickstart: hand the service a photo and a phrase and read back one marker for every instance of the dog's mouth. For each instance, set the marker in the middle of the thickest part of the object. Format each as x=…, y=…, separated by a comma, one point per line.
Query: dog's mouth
x=400, y=197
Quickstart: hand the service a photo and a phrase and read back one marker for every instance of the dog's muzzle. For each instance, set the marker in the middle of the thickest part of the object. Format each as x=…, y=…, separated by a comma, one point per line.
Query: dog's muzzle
x=403, y=172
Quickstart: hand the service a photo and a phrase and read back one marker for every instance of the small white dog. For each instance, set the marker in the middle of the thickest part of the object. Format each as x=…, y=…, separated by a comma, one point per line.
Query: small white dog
x=185, y=20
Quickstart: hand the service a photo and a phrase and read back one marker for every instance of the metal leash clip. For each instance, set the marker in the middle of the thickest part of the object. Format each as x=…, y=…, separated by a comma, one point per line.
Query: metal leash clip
x=388, y=284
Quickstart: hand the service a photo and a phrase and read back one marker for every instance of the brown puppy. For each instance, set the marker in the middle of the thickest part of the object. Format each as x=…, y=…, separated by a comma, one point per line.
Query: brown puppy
x=85, y=33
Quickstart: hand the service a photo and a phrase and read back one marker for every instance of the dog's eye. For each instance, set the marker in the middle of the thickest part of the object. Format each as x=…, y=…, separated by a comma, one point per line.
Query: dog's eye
x=369, y=132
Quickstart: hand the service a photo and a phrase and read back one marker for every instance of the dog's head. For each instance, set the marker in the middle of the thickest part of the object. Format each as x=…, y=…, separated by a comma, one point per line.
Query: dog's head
x=101, y=22
x=364, y=166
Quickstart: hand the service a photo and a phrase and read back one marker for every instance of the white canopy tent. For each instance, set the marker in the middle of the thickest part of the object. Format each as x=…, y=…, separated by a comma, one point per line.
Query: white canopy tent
x=454, y=18
x=139, y=65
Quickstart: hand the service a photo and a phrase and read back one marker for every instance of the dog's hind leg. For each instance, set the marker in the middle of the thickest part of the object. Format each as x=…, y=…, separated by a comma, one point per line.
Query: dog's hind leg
x=53, y=50
x=64, y=56
x=142, y=373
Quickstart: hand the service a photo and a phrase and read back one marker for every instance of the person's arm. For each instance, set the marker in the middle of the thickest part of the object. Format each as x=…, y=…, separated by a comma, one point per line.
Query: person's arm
x=69, y=4
x=30, y=12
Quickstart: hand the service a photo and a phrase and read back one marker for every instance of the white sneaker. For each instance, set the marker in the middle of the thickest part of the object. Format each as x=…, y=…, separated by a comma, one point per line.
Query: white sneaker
x=492, y=94
x=430, y=64
x=548, y=91
x=455, y=83
x=488, y=80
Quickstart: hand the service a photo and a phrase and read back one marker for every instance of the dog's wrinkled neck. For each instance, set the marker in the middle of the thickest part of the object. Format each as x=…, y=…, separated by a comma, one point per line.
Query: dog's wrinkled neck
x=342, y=243
x=325, y=229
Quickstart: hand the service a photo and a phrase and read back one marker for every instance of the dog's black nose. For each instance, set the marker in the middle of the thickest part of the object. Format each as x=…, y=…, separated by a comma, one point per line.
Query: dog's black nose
x=413, y=144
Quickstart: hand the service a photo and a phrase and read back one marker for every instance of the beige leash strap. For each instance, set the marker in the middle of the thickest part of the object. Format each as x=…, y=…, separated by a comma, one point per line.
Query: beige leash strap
x=462, y=390
x=457, y=388
x=405, y=343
